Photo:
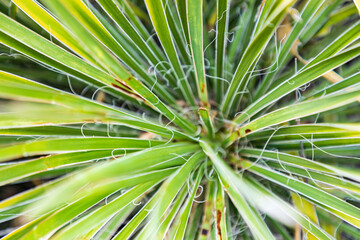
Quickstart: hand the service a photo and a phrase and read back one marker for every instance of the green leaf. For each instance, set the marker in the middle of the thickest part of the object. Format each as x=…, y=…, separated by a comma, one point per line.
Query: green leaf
x=299, y=162
x=298, y=110
x=114, y=117
x=19, y=88
x=207, y=121
x=195, y=25
x=181, y=6
x=18, y=233
x=80, y=227
x=16, y=205
x=134, y=32
x=315, y=194
x=168, y=190
x=157, y=13
x=298, y=217
x=306, y=129
x=74, y=144
x=319, y=20
x=14, y=172
x=252, y=55
x=65, y=213
x=221, y=213
x=24, y=40
x=117, y=168
x=69, y=130
x=208, y=216
x=230, y=181
x=320, y=179
x=107, y=230
x=53, y=27
x=308, y=12
x=347, y=83
x=93, y=26
x=166, y=225
x=299, y=79
x=136, y=220
x=126, y=82
x=183, y=217
x=222, y=15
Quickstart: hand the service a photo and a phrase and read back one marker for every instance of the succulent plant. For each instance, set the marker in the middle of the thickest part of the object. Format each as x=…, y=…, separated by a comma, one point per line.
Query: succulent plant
x=179, y=119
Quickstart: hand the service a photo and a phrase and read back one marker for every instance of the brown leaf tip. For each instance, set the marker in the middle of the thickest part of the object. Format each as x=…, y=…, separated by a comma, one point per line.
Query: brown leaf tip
x=218, y=222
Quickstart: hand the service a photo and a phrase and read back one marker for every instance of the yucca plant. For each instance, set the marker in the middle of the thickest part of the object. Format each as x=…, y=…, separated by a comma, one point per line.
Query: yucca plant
x=179, y=119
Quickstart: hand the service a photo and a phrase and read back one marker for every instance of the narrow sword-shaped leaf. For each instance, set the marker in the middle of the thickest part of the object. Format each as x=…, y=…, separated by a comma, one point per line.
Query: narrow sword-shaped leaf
x=195, y=25
x=124, y=165
x=221, y=213
x=345, y=84
x=17, y=204
x=243, y=33
x=78, y=228
x=337, y=45
x=319, y=20
x=23, y=230
x=19, y=88
x=305, y=129
x=357, y=4
x=127, y=83
x=41, y=147
x=298, y=110
x=93, y=25
x=228, y=180
x=98, y=50
x=54, y=27
x=263, y=14
x=136, y=20
x=134, y=223
x=68, y=211
x=306, y=15
x=69, y=130
x=169, y=189
x=195, y=217
x=223, y=9
x=308, y=191
x=183, y=219
x=19, y=170
x=17, y=36
x=117, y=14
x=325, y=180
x=177, y=34
x=252, y=55
x=298, y=161
x=296, y=81
x=181, y=8
x=303, y=220
x=107, y=231
x=208, y=216
x=168, y=222
x=207, y=121
x=321, y=142
x=157, y=13
x=46, y=116
x=131, y=81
